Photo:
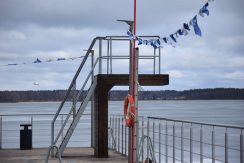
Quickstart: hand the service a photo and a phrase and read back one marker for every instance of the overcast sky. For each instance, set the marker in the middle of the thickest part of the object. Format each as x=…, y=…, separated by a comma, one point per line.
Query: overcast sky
x=49, y=29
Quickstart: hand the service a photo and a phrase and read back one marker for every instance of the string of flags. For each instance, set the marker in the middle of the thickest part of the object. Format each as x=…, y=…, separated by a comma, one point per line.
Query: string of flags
x=38, y=61
x=172, y=38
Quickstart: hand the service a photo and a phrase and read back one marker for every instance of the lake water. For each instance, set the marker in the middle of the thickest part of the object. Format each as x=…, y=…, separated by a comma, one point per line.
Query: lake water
x=210, y=111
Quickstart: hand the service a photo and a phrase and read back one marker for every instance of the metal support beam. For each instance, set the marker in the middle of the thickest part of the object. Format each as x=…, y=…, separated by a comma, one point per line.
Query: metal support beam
x=100, y=57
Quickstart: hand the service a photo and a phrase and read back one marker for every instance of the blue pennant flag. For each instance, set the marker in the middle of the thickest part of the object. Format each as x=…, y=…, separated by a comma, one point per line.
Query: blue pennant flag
x=186, y=26
x=37, y=61
x=196, y=27
x=12, y=64
x=139, y=41
x=204, y=10
x=165, y=40
x=60, y=59
x=172, y=37
x=145, y=42
x=180, y=32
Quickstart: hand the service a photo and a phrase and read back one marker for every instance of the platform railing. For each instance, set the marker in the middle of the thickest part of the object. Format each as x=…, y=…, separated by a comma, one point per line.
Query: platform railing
x=109, y=57
x=181, y=141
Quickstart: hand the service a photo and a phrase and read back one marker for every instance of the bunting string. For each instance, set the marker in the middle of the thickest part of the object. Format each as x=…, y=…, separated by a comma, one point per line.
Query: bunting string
x=38, y=61
x=172, y=38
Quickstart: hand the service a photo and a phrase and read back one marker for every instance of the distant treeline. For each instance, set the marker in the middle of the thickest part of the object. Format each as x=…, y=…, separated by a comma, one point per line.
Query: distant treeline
x=195, y=94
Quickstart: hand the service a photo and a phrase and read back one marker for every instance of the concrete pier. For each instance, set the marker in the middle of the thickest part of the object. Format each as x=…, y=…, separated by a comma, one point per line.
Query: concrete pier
x=71, y=155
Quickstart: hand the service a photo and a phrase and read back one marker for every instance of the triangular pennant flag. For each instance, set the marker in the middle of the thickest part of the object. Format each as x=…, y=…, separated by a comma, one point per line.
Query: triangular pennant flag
x=180, y=32
x=172, y=37
x=139, y=41
x=185, y=32
x=204, y=10
x=186, y=26
x=60, y=59
x=37, y=61
x=145, y=42
x=165, y=40
x=196, y=27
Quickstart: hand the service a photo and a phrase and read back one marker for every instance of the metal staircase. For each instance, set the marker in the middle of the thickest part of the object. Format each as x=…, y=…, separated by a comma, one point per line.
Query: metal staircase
x=56, y=138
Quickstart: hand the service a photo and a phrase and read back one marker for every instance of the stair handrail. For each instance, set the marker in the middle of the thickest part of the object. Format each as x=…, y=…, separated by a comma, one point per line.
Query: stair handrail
x=71, y=85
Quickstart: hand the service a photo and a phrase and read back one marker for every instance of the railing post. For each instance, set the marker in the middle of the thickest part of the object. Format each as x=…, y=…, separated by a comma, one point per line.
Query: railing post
x=201, y=145
x=174, y=143
x=213, y=146
x=226, y=146
x=153, y=135
x=166, y=142
x=111, y=66
x=142, y=137
x=108, y=56
x=154, y=61
x=62, y=122
x=32, y=130
x=241, y=148
x=1, y=131
x=122, y=135
x=126, y=140
x=100, y=56
x=115, y=131
x=191, y=154
x=182, y=143
x=159, y=60
x=159, y=137
x=118, y=133
x=148, y=126
x=92, y=102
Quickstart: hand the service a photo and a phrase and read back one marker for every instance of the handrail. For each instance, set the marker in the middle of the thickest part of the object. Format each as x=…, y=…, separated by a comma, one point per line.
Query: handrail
x=71, y=85
x=199, y=123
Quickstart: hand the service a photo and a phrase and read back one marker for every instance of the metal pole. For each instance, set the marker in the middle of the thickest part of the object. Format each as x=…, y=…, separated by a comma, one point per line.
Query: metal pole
x=32, y=130
x=100, y=56
x=166, y=143
x=182, y=143
x=118, y=133
x=153, y=136
x=142, y=137
x=126, y=141
x=201, y=145
x=241, y=148
x=111, y=66
x=122, y=135
x=174, y=143
x=159, y=61
x=154, y=61
x=226, y=146
x=159, y=137
x=213, y=146
x=108, y=56
x=148, y=125
x=1, y=132
x=191, y=147
x=92, y=102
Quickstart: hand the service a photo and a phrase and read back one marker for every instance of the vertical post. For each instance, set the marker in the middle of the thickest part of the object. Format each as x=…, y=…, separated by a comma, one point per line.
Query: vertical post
x=148, y=126
x=182, y=143
x=213, y=146
x=154, y=60
x=174, y=143
x=108, y=56
x=113, y=146
x=142, y=138
x=191, y=147
x=92, y=102
x=153, y=136
x=111, y=66
x=166, y=142
x=122, y=135
x=118, y=133
x=100, y=56
x=159, y=137
x=126, y=141
x=1, y=132
x=74, y=101
x=159, y=60
x=201, y=145
x=32, y=130
x=241, y=148
x=226, y=146
x=115, y=131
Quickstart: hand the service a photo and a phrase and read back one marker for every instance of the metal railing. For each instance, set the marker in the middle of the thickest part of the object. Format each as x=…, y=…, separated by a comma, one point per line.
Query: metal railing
x=41, y=136
x=85, y=84
x=181, y=141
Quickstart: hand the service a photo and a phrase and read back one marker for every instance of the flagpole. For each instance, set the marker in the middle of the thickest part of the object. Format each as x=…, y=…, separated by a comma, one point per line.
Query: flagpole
x=133, y=136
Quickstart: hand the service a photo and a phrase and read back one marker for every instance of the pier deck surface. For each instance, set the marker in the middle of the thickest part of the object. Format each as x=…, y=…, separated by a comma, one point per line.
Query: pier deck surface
x=71, y=155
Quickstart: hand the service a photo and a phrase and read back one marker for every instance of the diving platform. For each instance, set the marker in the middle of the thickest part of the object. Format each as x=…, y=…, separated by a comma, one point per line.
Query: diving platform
x=104, y=84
